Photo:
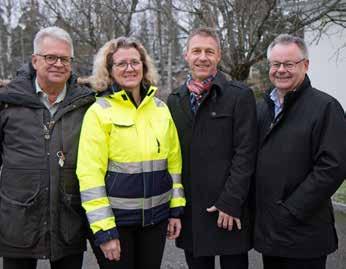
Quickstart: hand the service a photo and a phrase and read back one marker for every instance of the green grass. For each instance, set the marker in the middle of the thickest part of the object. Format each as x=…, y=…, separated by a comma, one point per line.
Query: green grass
x=340, y=195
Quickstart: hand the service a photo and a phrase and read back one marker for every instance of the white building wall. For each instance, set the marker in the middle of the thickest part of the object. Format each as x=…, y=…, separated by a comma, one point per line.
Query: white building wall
x=327, y=69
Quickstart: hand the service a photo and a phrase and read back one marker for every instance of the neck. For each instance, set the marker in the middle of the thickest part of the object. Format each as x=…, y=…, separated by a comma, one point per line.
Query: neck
x=136, y=94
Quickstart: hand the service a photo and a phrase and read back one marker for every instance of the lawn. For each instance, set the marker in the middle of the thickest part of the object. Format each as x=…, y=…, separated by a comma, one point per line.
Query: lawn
x=340, y=195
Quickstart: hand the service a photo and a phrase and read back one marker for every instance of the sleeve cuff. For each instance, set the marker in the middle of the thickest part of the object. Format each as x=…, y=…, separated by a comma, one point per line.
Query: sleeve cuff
x=232, y=208
x=176, y=212
x=105, y=236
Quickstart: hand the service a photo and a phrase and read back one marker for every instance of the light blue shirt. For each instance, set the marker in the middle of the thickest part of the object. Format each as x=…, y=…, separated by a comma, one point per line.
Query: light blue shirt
x=274, y=96
x=44, y=98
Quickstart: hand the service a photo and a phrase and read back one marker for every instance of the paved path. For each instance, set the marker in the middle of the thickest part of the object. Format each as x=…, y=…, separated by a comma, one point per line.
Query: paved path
x=174, y=259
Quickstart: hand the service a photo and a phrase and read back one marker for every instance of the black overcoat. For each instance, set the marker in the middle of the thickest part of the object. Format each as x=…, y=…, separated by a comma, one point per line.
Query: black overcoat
x=40, y=207
x=218, y=149
x=301, y=163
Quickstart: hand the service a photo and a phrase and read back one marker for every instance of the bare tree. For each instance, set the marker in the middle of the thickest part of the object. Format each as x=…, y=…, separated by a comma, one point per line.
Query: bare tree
x=247, y=27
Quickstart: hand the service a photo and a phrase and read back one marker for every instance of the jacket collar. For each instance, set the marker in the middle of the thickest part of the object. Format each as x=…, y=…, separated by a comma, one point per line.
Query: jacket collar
x=290, y=97
x=115, y=92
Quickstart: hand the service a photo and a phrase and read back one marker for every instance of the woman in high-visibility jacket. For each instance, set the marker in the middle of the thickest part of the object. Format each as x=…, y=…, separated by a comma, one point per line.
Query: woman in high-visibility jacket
x=129, y=161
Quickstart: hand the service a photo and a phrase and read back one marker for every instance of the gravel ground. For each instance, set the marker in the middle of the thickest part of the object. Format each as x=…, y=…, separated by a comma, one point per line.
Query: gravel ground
x=174, y=257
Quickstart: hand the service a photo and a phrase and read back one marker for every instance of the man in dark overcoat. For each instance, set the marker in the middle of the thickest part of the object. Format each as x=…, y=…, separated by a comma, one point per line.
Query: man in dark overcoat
x=301, y=163
x=216, y=123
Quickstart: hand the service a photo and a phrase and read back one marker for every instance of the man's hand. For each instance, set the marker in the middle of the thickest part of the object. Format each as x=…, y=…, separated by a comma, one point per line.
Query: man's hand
x=111, y=249
x=224, y=220
x=173, y=229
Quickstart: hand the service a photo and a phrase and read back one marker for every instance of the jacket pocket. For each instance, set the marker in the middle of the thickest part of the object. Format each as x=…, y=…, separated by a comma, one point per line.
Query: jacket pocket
x=72, y=219
x=123, y=139
x=219, y=127
x=20, y=223
x=281, y=226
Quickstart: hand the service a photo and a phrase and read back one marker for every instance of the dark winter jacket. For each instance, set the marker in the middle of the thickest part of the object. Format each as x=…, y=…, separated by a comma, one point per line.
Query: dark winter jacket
x=218, y=149
x=40, y=208
x=301, y=163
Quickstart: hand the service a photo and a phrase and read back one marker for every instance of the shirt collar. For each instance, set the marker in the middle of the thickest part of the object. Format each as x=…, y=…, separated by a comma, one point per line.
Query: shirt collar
x=274, y=96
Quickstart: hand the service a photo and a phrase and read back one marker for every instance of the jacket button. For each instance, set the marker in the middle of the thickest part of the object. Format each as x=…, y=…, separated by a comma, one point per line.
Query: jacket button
x=213, y=114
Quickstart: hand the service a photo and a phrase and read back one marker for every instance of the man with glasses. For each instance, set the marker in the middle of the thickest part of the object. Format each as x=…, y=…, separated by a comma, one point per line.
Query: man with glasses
x=300, y=163
x=41, y=112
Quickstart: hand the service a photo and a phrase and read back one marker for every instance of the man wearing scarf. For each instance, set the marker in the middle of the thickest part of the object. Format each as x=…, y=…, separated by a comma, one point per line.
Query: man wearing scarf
x=216, y=123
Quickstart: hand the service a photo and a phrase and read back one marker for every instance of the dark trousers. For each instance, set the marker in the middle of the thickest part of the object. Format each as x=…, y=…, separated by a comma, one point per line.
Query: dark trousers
x=68, y=262
x=141, y=248
x=240, y=261
x=270, y=262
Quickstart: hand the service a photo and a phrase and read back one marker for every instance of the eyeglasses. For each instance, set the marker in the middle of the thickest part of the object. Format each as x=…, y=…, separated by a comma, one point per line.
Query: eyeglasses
x=287, y=65
x=123, y=65
x=52, y=59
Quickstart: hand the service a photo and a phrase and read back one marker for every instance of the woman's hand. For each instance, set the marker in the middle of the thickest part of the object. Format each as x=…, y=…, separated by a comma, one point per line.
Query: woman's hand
x=173, y=229
x=111, y=249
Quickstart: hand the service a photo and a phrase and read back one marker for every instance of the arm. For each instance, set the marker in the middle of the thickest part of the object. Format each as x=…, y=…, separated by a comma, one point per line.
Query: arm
x=329, y=164
x=242, y=167
x=91, y=170
x=174, y=168
x=178, y=201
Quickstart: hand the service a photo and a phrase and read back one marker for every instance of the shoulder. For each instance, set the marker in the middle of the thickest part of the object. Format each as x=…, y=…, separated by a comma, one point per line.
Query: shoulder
x=176, y=94
x=319, y=100
x=101, y=103
x=178, y=91
x=158, y=102
x=238, y=87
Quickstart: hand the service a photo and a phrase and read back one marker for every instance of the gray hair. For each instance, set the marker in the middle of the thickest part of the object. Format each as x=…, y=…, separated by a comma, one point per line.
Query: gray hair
x=52, y=32
x=287, y=39
x=204, y=31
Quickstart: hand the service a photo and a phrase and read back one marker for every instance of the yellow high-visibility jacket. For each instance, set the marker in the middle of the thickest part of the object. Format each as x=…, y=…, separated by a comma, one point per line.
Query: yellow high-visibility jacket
x=129, y=164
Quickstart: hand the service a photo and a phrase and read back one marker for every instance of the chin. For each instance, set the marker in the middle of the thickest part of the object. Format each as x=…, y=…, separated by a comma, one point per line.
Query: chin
x=202, y=76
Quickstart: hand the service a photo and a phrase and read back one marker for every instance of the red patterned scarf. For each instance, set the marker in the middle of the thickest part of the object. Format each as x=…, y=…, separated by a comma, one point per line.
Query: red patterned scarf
x=199, y=88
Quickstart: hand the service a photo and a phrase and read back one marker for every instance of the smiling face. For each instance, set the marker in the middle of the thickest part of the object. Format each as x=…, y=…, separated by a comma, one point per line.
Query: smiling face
x=52, y=76
x=202, y=56
x=127, y=70
x=283, y=79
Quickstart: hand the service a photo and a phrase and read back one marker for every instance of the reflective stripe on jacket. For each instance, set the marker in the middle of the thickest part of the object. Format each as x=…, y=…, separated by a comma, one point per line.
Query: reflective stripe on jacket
x=129, y=162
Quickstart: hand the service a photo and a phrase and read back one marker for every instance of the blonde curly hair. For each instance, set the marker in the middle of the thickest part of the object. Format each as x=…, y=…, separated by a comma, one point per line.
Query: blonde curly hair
x=101, y=77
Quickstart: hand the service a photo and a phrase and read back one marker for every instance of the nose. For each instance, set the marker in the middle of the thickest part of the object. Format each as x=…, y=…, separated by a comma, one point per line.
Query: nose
x=281, y=68
x=58, y=62
x=203, y=56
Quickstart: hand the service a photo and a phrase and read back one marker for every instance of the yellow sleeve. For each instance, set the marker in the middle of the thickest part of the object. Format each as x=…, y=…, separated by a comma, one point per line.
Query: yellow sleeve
x=92, y=167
